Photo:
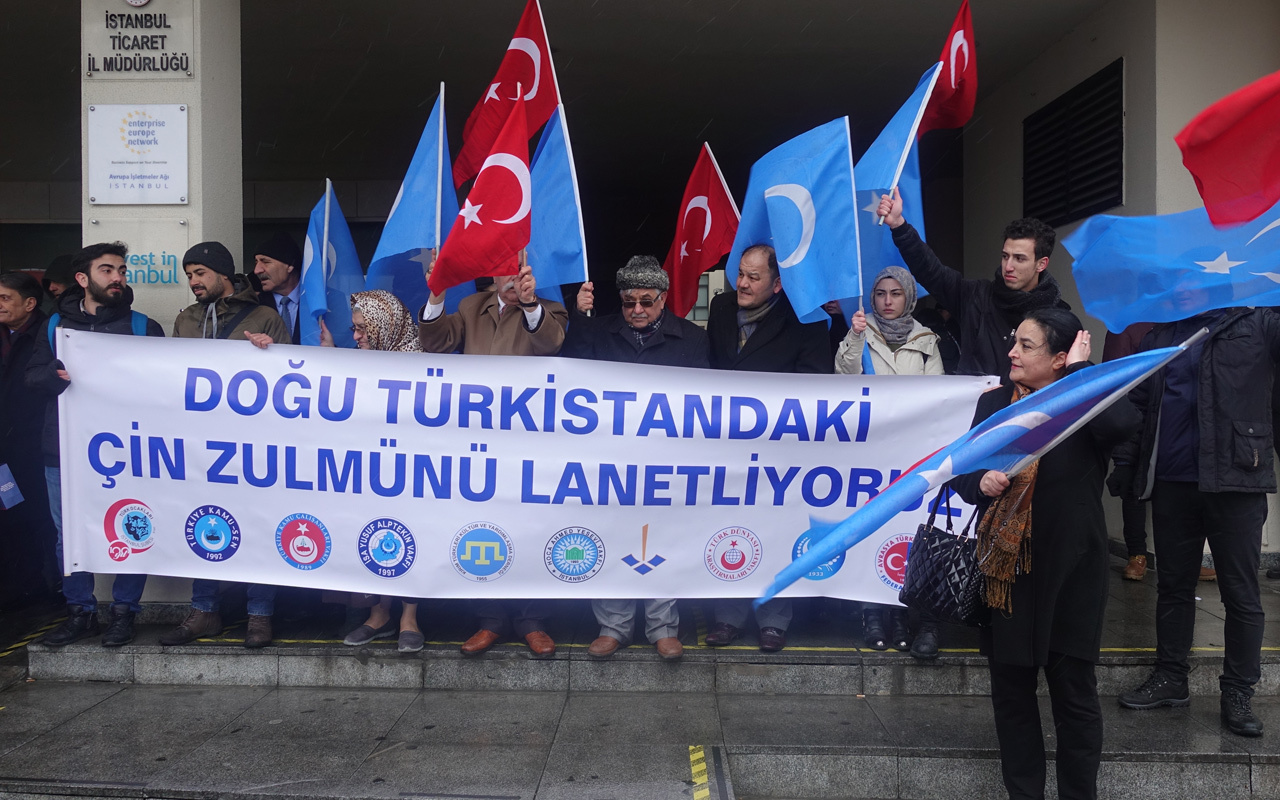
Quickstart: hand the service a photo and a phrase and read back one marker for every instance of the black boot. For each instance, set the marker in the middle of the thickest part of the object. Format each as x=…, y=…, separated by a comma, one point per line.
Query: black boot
x=899, y=634
x=78, y=625
x=926, y=644
x=873, y=629
x=1237, y=714
x=120, y=631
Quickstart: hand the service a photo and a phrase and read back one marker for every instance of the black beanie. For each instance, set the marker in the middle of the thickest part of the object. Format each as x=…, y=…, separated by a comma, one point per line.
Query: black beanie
x=281, y=247
x=213, y=255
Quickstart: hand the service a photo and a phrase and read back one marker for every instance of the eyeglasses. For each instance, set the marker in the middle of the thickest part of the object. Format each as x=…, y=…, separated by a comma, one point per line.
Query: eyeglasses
x=643, y=302
x=359, y=329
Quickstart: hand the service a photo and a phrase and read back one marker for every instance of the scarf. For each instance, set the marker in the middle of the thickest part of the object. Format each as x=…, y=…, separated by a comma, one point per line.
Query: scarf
x=1004, y=534
x=388, y=324
x=896, y=331
x=749, y=319
x=1014, y=305
x=642, y=335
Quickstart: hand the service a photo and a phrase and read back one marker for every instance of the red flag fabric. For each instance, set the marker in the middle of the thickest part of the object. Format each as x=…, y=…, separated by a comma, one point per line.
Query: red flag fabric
x=1232, y=149
x=951, y=104
x=528, y=64
x=493, y=224
x=705, y=229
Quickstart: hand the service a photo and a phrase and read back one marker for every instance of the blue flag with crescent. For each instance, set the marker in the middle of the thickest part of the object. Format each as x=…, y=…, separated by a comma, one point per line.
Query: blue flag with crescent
x=420, y=220
x=800, y=200
x=557, y=246
x=1007, y=441
x=1173, y=266
x=331, y=273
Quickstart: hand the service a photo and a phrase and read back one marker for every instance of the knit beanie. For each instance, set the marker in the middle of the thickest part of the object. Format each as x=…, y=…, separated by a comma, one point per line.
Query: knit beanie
x=282, y=248
x=642, y=272
x=213, y=255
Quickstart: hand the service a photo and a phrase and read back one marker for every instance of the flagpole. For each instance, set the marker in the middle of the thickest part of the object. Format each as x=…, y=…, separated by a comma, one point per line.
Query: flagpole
x=440, y=157
x=324, y=244
x=857, y=237
x=915, y=126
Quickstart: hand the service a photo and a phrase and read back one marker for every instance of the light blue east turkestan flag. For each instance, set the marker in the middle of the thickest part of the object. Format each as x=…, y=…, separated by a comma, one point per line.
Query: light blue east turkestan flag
x=800, y=200
x=331, y=273
x=557, y=247
x=420, y=220
x=1173, y=266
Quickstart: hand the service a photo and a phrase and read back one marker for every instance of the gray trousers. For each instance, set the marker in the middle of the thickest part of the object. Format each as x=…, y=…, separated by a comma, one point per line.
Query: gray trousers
x=617, y=618
x=774, y=614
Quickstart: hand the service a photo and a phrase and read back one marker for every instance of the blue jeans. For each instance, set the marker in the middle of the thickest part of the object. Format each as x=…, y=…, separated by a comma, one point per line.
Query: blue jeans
x=77, y=587
x=205, y=597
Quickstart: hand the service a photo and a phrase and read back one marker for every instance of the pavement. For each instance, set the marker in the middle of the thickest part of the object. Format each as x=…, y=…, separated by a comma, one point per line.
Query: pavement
x=309, y=718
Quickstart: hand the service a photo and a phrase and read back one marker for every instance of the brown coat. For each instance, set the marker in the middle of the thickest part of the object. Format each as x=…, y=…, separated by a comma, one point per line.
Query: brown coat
x=476, y=329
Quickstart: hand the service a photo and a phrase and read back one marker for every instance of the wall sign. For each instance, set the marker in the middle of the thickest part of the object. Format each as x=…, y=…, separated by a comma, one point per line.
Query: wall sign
x=123, y=42
x=137, y=154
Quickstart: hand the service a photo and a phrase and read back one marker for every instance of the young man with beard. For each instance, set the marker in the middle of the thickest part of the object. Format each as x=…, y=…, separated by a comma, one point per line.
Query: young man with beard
x=99, y=301
x=987, y=310
x=226, y=307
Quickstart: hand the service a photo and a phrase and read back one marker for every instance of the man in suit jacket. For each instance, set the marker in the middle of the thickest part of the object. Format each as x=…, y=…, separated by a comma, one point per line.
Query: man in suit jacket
x=756, y=329
x=278, y=264
x=511, y=321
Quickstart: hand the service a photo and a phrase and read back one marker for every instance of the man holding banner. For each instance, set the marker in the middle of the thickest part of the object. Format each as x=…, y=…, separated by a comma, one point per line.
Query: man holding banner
x=757, y=330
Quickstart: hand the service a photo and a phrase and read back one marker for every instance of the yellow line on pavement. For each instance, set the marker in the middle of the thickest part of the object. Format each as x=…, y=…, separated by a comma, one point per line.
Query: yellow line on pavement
x=698, y=767
x=21, y=643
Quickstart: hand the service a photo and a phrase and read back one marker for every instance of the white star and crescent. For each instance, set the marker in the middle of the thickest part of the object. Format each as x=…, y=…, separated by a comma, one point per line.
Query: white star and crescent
x=803, y=202
x=1220, y=265
x=492, y=94
x=958, y=42
x=697, y=202
x=520, y=170
x=530, y=48
x=470, y=213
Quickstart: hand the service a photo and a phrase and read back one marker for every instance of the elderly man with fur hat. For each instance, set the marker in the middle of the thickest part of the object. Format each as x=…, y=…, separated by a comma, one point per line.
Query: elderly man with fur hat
x=643, y=333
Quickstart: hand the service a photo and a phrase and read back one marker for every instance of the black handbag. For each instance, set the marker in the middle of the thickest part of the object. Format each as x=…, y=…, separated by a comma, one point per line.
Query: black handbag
x=942, y=572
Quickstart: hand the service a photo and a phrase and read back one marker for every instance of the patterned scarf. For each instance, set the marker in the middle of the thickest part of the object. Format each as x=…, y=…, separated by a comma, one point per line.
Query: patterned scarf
x=749, y=319
x=642, y=335
x=895, y=331
x=1004, y=534
x=388, y=324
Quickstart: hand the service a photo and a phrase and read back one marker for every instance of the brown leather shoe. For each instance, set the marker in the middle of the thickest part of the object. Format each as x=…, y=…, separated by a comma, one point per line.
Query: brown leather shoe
x=1135, y=569
x=669, y=648
x=482, y=640
x=772, y=639
x=197, y=625
x=603, y=647
x=540, y=644
x=259, y=633
x=1208, y=574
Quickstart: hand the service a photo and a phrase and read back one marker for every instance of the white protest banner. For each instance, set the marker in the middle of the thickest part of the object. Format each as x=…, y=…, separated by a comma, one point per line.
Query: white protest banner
x=472, y=476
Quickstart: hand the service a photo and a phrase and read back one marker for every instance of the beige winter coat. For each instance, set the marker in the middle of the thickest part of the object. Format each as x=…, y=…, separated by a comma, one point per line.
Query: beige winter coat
x=918, y=355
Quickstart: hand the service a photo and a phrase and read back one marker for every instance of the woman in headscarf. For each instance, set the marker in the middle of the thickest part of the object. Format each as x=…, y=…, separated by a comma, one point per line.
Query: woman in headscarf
x=898, y=345
x=1042, y=549
x=379, y=321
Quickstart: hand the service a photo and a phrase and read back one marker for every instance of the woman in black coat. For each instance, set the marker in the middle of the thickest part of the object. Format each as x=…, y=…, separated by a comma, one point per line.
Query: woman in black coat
x=1048, y=590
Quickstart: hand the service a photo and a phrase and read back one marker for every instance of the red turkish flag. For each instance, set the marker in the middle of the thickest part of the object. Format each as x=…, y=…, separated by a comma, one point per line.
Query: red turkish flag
x=1232, y=149
x=705, y=229
x=951, y=104
x=493, y=224
x=527, y=64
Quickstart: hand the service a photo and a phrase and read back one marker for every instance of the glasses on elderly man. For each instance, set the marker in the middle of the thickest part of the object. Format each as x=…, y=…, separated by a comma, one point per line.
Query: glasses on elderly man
x=643, y=302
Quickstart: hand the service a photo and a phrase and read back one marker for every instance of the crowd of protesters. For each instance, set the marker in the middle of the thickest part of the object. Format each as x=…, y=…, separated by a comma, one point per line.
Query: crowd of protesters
x=1195, y=439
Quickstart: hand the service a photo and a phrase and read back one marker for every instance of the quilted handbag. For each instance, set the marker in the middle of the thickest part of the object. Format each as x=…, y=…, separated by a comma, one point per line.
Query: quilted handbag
x=942, y=572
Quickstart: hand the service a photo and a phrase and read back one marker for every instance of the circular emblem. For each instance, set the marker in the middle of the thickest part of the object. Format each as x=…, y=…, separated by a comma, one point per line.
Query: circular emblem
x=732, y=554
x=303, y=541
x=574, y=555
x=386, y=547
x=212, y=533
x=137, y=3
x=130, y=528
x=824, y=570
x=482, y=552
x=891, y=560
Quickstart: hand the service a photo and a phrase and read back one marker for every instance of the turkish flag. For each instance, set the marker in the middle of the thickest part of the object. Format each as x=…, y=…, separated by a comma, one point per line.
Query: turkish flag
x=951, y=104
x=705, y=229
x=527, y=65
x=1232, y=149
x=493, y=224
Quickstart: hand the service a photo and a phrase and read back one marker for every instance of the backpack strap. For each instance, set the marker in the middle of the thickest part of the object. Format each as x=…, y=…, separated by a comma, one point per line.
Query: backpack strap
x=139, y=323
x=236, y=320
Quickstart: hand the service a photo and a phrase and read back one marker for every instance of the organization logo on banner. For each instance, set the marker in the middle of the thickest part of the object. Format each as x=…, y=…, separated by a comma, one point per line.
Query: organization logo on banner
x=644, y=565
x=212, y=533
x=482, y=552
x=733, y=553
x=386, y=547
x=303, y=541
x=130, y=528
x=891, y=560
x=824, y=570
x=574, y=555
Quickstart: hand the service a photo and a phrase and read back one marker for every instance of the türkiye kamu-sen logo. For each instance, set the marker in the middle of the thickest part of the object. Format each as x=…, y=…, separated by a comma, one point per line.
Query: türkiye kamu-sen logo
x=386, y=547
x=482, y=552
x=732, y=553
x=574, y=555
x=212, y=533
x=130, y=528
x=891, y=560
x=824, y=570
x=303, y=541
